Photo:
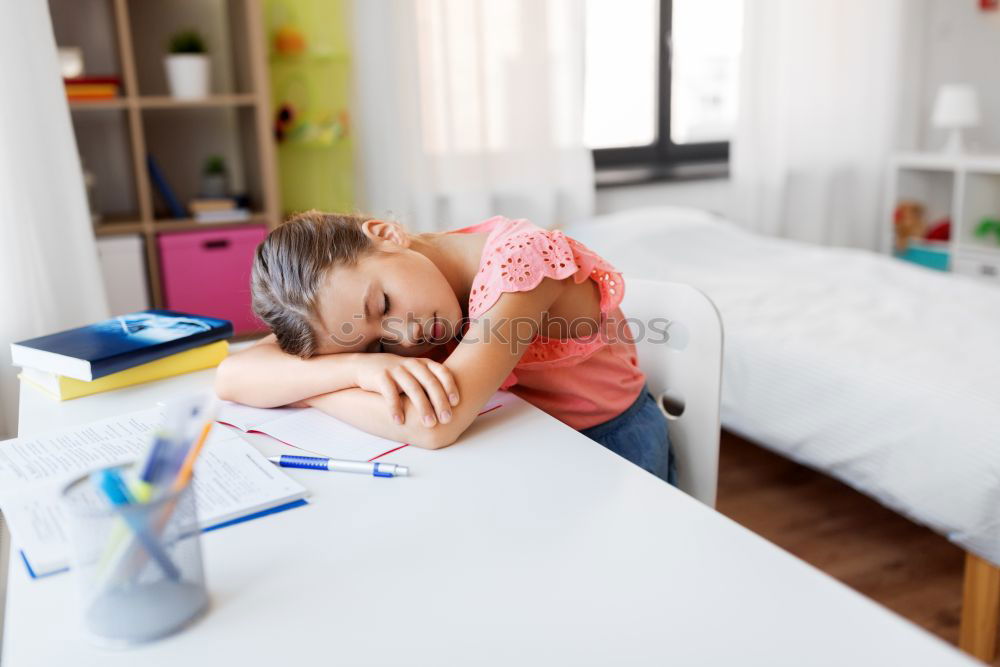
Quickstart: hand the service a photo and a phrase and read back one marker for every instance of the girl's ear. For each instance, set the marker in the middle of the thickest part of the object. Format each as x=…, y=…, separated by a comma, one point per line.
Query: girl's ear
x=386, y=235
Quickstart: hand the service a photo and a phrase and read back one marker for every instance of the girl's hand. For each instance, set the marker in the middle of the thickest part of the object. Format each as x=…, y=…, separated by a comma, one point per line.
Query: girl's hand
x=428, y=384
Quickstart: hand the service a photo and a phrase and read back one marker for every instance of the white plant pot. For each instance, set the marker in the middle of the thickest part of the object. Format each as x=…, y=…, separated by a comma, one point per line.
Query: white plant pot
x=187, y=75
x=214, y=185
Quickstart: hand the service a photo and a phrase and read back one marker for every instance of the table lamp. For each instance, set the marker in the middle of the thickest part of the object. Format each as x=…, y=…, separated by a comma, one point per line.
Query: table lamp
x=955, y=108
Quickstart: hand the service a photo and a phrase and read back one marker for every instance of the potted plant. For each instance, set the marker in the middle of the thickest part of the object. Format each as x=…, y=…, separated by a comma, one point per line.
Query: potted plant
x=214, y=178
x=187, y=65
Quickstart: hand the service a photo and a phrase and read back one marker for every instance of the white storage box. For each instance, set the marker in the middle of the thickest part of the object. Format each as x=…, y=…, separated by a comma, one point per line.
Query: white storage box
x=124, y=271
x=980, y=265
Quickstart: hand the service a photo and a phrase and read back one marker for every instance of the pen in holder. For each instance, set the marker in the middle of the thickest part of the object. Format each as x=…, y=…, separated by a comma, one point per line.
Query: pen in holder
x=138, y=565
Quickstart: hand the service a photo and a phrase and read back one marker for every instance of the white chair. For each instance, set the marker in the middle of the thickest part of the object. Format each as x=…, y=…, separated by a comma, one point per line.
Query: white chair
x=678, y=335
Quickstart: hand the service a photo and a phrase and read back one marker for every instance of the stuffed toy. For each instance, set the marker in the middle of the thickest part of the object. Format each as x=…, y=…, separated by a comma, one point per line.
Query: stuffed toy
x=939, y=231
x=909, y=222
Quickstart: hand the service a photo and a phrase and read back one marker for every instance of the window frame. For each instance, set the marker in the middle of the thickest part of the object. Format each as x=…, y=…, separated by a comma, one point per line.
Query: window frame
x=663, y=153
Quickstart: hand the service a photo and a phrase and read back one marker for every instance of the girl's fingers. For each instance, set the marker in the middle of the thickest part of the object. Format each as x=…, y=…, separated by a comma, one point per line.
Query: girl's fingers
x=435, y=392
x=412, y=388
x=447, y=381
x=390, y=392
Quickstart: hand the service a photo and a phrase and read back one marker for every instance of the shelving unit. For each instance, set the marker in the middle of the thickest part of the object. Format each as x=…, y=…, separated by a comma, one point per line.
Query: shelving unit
x=127, y=38
x=80, y=105
x=964, y=188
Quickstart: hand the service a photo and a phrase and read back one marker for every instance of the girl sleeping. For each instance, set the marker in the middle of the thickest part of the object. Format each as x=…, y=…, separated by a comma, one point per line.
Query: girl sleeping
x=407, y=336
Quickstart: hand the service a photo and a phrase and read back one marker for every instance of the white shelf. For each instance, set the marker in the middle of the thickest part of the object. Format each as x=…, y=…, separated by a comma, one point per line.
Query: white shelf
x=979, y=252
x=963, y=187
x=926, y=161
x=989, y=164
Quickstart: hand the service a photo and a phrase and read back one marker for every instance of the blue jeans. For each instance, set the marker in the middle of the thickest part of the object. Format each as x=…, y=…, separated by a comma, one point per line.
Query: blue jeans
x=640, y=435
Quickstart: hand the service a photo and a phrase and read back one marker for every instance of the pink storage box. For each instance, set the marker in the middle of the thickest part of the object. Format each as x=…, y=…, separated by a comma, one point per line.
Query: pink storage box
x=208, y=273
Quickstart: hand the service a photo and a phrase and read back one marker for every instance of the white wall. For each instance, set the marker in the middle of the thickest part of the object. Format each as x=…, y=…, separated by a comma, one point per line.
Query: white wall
x=962, y=45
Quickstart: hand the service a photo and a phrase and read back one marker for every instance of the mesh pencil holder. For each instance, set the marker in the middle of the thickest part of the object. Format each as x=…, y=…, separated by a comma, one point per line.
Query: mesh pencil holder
x=138, y=567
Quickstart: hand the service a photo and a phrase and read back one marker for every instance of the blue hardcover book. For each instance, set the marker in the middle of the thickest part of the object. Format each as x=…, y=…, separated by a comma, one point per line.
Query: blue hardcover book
x=160, y=181
x=96, y=350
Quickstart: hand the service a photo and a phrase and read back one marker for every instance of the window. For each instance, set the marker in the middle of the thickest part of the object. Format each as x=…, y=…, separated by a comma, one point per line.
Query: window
x=661, y=80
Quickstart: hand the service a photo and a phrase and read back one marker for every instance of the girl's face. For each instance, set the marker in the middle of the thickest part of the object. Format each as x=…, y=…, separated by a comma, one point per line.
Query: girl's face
x=392, y=300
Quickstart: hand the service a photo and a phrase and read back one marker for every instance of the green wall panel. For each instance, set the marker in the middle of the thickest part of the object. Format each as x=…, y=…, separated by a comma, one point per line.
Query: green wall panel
x=310, y=69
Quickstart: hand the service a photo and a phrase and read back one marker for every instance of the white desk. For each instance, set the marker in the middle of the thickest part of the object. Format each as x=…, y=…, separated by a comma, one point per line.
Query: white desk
x=525, y=544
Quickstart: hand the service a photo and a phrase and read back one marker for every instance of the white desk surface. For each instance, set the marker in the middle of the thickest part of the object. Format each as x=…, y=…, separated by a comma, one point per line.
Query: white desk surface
x=524, y=544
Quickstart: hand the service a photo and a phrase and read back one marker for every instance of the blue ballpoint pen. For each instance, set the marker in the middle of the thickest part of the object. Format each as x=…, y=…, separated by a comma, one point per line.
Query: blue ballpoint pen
x=322, y=463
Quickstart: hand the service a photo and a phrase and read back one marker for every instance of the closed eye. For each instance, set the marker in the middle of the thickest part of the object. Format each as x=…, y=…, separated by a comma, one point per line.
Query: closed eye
x=380, y=345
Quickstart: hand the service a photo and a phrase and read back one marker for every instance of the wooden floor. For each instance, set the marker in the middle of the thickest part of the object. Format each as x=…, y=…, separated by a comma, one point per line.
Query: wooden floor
x=901, y=565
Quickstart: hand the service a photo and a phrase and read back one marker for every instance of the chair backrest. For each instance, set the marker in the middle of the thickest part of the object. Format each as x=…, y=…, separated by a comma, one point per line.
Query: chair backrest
x=678, y=335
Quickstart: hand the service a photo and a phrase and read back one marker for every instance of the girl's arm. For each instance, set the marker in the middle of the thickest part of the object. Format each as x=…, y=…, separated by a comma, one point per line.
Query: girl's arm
x=264, y=376
x=487, y=354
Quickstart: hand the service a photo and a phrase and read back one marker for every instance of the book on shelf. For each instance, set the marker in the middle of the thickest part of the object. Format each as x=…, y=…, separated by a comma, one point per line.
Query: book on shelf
x=211, y=204
x=90, y=98
x=97, y=350
x=63, y=388
x=232, y=215
x=109, y=79
x=163, y=187
x=92, y=87
x=92, y=91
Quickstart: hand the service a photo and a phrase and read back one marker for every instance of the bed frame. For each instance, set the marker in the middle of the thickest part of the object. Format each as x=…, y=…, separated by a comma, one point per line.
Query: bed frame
x=980, y=608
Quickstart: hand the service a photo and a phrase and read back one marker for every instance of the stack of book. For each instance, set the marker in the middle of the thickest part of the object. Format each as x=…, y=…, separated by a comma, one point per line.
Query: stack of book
x=120, y=352
x=221, y=209
x=92, y=87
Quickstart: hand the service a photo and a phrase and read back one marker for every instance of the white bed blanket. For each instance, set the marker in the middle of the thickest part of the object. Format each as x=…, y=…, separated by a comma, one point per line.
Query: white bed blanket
x=883, y=374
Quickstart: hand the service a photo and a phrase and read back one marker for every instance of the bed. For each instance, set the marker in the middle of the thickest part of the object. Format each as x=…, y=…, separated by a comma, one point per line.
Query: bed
x=880, y=373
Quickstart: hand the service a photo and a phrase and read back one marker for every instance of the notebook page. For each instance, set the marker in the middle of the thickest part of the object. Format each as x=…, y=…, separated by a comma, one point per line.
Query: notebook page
x=54, y=458
x=315, y=431
x=246, y=418
x=231, y=480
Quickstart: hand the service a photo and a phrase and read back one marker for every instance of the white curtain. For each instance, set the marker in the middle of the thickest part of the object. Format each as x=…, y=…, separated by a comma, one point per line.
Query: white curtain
x=820, y=104
x=471, y=108
x=49, y=275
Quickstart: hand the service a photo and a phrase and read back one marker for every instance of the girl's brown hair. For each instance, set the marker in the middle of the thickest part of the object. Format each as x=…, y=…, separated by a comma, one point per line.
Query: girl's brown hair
x=289, y=268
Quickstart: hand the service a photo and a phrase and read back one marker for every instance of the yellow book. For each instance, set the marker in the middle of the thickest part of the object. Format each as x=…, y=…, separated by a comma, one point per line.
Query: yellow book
x=91, y=89
x=63, y=388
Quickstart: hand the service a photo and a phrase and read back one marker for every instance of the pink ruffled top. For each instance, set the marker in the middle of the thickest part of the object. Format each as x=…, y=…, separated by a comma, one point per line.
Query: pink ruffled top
x=580, y=381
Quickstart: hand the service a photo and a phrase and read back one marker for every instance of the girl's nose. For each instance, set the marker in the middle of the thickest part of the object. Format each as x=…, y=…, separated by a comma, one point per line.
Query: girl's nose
x=414, y=334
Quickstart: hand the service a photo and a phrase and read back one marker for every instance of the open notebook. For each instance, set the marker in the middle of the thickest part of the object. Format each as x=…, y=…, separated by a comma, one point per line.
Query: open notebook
x=232, y=481
x=314, y=431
